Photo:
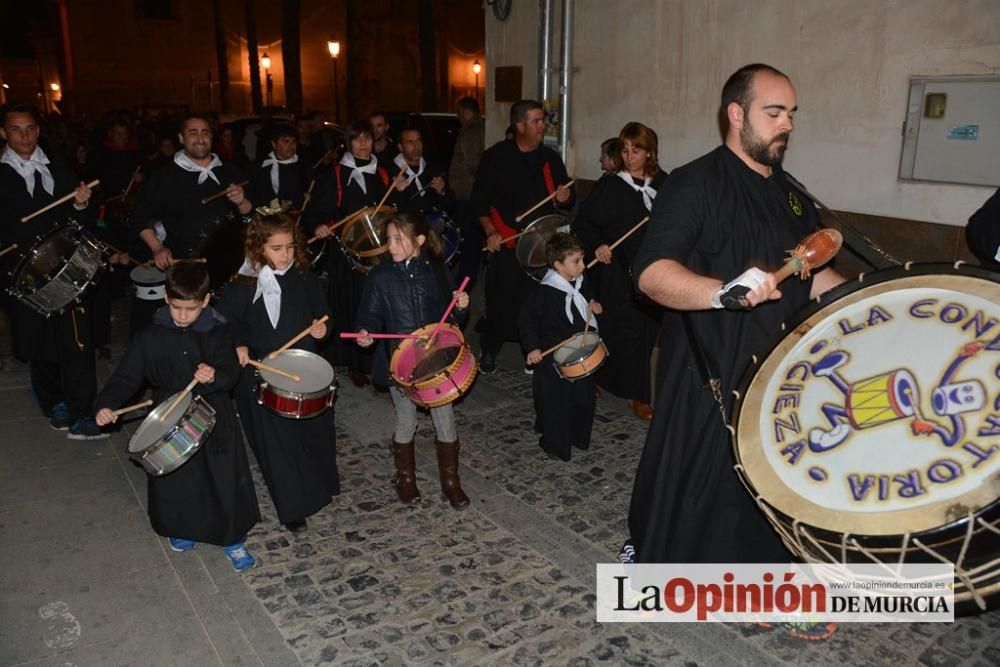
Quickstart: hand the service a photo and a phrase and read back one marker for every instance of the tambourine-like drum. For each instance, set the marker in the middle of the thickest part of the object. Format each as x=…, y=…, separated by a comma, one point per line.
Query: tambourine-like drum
x=451, y=236
x=162, y=447
x=363, y=239
x=432, y=377
x=530, y=249
x=580, y=357
x=308, y=397
x=871, y=431
x=149, y=282
x=58, y=269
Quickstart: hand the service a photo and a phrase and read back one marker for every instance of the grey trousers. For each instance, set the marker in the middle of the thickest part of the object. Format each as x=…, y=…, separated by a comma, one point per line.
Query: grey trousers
x=406, y=418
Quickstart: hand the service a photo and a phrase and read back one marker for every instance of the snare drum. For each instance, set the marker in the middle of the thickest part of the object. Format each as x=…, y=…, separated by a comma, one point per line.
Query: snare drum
x=843, y=435
x=580, y=357
x=436, y=376
x=530, y=249
x=451, y=237
x=149, y=281
x=58, y=269
x=308, y=397
x=363, y=239
x=162, y=447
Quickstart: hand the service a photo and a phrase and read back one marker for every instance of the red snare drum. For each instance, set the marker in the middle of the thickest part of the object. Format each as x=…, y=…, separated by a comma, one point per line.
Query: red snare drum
x=308, y=397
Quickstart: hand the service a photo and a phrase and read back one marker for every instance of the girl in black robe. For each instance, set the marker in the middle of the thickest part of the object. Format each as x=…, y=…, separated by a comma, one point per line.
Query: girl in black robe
x=630, y=324
x=210, y=498
x=353, y=183
x=555, y=310
x=298, y=457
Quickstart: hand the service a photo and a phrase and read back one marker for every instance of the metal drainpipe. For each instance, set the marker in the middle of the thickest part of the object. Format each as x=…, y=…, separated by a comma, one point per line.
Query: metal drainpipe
x=567, y=74
x=545, y=50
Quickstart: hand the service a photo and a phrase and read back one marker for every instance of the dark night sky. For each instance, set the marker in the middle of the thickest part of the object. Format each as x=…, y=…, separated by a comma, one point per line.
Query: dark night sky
x=21, y=17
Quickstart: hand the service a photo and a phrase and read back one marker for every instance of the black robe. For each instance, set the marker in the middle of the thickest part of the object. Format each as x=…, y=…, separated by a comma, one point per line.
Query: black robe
x=293, y=182
x=508, y=182
x=983, y=232
x=719, y=218
x=629, y=323
x=334, y=197
x=209, y=498
x=564, y=410
x=214, y=230
x=298, y=457
x=424, y=198
x=61, y=345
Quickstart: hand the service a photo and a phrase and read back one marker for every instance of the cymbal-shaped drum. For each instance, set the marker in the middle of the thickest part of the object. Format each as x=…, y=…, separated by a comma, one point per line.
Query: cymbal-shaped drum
x=363, y=239
x=436, y=375
x=530, y=249
x=870, y=432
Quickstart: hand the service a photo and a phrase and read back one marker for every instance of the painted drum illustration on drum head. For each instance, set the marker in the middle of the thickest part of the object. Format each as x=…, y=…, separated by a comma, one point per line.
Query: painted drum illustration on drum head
x=874, y=423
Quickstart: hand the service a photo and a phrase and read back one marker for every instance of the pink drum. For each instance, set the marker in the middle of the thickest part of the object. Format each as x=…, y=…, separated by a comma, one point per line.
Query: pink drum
x=432, y=377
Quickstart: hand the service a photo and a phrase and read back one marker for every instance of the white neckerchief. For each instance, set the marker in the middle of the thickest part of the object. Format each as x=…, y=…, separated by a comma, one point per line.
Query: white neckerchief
x=648, y=192
x=182, y=160
x=273, y=163
x=27, y=168
x=267, y=285
x=400, y=162
x=357, y=173
x=573, y=296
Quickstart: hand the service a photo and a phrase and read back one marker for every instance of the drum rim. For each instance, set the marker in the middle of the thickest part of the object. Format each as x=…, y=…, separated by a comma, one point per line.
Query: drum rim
x=303, y=395
x=155, y=413
x=412, y=388
x=873, y=524
x=25, y=256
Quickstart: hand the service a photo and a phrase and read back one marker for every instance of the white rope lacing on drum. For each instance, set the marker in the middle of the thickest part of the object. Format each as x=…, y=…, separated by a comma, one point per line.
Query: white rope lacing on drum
x=736, y=394
x=963, y=575
x=907, y=265
x=754, y=358
x=902, y=547
x=958, y=264
x=861, y=277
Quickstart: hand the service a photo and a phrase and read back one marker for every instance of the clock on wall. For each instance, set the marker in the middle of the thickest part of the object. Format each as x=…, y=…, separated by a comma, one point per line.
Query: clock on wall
x=501, y=8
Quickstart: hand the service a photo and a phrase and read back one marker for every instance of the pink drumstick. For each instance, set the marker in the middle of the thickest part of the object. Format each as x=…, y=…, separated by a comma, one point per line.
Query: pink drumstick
x=454, y=300
x=351, y=334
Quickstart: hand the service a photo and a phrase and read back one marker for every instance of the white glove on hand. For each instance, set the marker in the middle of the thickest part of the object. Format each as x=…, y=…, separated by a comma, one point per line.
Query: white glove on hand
x=732, y=295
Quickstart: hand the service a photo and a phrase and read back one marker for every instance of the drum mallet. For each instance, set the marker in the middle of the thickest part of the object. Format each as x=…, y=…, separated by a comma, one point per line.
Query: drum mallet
x=298, y=337
x=551, y=196
x=388, y=191
x=58, y=202
x=621, y=238
x=264, y=367
x=354, y=335
x=180, y=397
x=12, y=246
x=510, y=238
x=222, y=193
x=340, y=223
x=454, y=300
x=129, y=408
x=557, y=346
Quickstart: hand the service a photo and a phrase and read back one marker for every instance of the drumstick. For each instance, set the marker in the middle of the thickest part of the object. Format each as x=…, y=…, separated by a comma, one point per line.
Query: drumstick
x=119, y=252
x=586, y=325
x=352, y=335
x=388, y=191
x=264, y=367
x=454, y=300
x=58, y=202
x=6, y=250
x=129, y=408
x=128, y=188
x=297, y=338
x=341, y=222
x=510, y=238
x=221, y=193
x=621, y=238
x=193, y=260
x=549, y=197
x=179, y=398
x=323, y=159
x=557, y=346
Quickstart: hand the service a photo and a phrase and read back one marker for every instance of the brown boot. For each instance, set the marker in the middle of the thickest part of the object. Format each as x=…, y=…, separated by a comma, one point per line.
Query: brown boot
x=448, y=471
x=405, y=480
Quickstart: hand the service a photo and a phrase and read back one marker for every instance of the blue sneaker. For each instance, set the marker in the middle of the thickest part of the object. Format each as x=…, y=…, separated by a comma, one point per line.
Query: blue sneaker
x=59, y=418
x=180, y=545
x=86, y=428
x=240, y=557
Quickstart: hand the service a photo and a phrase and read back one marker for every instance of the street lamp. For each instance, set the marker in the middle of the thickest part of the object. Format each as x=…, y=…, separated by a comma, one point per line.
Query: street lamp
x=476, y=69
x=265, y=62
x=333, y=46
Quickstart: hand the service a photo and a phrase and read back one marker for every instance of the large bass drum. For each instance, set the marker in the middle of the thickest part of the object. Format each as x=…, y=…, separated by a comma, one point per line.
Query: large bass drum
x=871, y=431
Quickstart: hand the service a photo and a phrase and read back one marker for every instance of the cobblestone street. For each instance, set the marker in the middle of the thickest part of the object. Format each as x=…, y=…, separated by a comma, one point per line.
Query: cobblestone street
x=508, y=581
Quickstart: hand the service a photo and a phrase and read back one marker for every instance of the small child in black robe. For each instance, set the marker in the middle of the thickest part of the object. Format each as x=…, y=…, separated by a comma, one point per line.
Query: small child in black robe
x=210, y=498
x=274, y=298
x=554, y=310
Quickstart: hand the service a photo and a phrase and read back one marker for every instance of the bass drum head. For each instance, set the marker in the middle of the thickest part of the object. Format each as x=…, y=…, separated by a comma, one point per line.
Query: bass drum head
x=873, y=425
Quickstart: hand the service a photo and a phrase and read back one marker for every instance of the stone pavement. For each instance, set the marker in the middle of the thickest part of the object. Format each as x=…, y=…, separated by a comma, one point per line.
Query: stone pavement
x=509, y=581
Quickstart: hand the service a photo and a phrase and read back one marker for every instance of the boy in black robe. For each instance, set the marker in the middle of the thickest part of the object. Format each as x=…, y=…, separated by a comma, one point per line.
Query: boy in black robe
x=210, y=498
x=556, y=309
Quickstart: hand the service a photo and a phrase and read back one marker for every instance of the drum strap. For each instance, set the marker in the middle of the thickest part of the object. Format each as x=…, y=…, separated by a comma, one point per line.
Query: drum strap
x=711, y=380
